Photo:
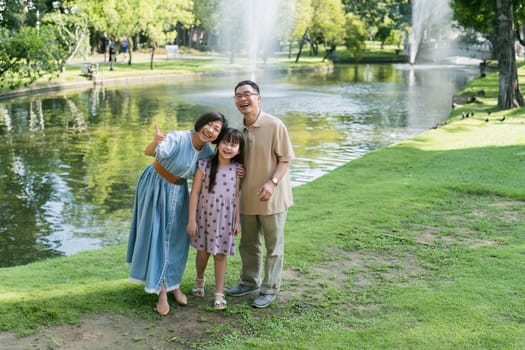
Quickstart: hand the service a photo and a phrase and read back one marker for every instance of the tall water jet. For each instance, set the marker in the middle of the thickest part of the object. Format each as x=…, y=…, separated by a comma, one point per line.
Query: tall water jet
x=249, y=29
x=431, y=24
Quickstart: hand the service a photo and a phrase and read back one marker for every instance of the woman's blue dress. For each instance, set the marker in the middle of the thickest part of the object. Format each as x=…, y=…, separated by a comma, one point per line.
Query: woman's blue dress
x=158, y=243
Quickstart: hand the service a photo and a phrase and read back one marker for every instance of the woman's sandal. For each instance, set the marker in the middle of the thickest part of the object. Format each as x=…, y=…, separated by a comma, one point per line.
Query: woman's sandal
x=220, y=302
x=162, y=310
x=199, y=291
x=180, y=298
x=162, y=307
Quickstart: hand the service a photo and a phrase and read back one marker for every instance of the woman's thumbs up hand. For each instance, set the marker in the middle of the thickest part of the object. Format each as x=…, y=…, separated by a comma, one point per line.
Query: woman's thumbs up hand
x=159, y=136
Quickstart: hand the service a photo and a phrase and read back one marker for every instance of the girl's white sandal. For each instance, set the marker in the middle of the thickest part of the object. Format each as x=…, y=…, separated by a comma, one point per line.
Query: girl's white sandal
x=220, y=302
x=199, y=291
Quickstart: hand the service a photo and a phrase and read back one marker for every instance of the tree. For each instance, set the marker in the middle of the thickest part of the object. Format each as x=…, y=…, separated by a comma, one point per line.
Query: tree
x=155, y=20
x=301, y=24
x=207, y=22
x=509, y=95
x=494, y=19
x=28, y=49
x=71, y=25
x=481, y=21
x=375, y=14
x=326, y=26
x=355, y=35
x=383, y=32
x=29, y=54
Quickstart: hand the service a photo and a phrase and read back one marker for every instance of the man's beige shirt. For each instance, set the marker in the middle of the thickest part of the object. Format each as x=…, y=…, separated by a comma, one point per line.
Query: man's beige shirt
x=266, y=143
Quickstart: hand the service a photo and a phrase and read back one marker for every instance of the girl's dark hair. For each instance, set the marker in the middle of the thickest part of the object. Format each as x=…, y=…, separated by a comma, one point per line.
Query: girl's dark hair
x=231, y=135
x=247, y=82
x=212, y=117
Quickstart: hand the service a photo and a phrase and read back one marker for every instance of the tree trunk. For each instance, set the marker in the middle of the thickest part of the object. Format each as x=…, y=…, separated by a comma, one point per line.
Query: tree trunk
x=192, y=34
x=301, y=44
x=330, y=53
x=153, y=47
x=130, y=49
x=300, y=51
x=509, y=95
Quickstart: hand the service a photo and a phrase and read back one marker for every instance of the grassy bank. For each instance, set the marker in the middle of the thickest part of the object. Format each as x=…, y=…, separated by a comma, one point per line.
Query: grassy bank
x=415, y=246
x=189, y=63
x=163, y=68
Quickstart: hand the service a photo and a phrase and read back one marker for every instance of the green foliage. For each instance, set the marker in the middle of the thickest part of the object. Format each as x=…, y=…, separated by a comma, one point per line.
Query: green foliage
x=376, y=12
x=157, y=18
x=328, y=22
x=40, y=42
x=72, y=33
x=323, y=22
x=382, y=33
x=476, y=14
x=15, y=14
x=28, y=55
x=480, y=16
x=395, y=37
x=355, y=36
x=302, y=19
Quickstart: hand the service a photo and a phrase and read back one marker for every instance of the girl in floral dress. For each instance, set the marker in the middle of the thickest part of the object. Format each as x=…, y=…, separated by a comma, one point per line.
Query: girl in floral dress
x=214, y=217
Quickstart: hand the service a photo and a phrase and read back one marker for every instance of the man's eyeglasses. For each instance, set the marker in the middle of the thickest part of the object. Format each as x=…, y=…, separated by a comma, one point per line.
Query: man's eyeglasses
x=245, y=95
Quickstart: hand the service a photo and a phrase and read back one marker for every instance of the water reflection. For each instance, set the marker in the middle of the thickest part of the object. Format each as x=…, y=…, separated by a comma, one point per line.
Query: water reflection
x=69, y=162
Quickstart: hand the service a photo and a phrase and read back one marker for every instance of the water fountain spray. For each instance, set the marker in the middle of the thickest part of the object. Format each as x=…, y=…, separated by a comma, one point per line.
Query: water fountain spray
x=430, y=19
x=249, y=29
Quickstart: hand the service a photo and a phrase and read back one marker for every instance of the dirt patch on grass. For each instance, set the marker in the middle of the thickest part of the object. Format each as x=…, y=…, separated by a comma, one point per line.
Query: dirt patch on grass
x=185, y=327
x=510, y=211
x=470, y=227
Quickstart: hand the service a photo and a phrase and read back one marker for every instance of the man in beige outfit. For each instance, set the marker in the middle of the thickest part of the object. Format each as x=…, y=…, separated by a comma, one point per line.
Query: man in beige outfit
x=265, y=197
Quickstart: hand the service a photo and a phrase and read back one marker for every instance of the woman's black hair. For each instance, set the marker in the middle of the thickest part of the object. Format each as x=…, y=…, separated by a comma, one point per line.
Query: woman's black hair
x=247, y=82
x=231, y=135
x=212, y=117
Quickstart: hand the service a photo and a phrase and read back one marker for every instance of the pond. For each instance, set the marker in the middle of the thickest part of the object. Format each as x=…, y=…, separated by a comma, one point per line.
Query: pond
x=69, y=161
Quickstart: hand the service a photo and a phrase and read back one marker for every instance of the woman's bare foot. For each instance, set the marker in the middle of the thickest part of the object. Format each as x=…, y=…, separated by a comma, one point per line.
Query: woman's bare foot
x=180, y=298
x=163, y=307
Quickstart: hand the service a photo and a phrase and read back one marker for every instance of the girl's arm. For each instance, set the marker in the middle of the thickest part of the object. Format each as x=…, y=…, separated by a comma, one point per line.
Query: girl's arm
x=237, y=229
x=194, y=200
x=151, y=148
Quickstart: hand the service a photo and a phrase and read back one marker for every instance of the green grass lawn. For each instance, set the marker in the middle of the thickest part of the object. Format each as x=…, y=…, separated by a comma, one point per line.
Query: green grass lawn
x=420, y=245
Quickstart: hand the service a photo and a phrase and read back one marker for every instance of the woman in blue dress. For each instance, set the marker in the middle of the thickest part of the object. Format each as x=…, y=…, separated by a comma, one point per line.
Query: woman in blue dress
x=158, y=243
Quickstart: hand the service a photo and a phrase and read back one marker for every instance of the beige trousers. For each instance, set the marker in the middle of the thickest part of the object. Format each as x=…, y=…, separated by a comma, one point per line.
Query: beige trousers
x=255, y=229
